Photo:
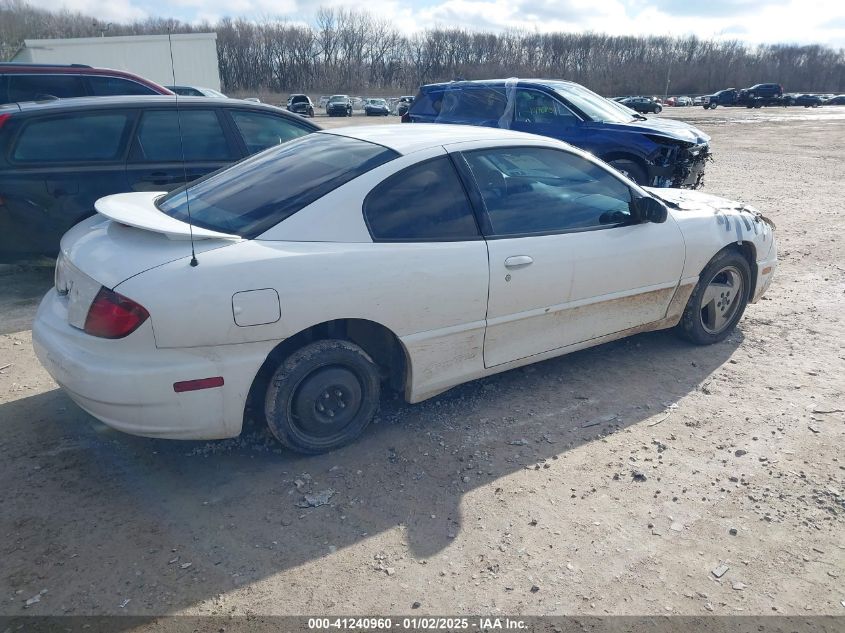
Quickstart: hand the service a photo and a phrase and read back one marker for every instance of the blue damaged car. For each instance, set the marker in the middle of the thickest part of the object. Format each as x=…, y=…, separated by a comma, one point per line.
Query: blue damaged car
x=652, y=151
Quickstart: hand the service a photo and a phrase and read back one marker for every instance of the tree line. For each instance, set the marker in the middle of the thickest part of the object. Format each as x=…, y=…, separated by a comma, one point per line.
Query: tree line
x=354, y=51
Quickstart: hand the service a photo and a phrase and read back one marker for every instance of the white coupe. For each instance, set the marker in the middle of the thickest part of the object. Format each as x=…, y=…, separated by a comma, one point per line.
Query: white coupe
x=413, y=256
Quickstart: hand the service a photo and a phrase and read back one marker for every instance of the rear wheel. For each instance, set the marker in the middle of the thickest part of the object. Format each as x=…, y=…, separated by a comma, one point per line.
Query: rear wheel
x=718, y=301
x=657, y=109
x=629, y=168
x=322, y=396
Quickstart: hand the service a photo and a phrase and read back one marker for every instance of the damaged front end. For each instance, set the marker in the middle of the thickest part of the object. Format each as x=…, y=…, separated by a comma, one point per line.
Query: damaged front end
x=678, y=164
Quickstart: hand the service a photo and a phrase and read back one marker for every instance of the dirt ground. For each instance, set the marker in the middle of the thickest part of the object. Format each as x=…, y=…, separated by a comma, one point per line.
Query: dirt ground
x=618, y=480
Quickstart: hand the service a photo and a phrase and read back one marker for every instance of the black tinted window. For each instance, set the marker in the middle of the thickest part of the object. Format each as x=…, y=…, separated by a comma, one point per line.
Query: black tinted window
x=35, y=87
x=106, y=86
x=261, y=191
x=261, y=131
x=158, y=136
x=537, y=190
x=73, y=138
x=423, y=202
x=473, y=104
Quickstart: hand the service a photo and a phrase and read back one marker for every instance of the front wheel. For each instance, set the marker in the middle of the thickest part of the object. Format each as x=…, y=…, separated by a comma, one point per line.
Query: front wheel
x=718, y=301
x=630, y=169
x=658, y=109
x=322, y=396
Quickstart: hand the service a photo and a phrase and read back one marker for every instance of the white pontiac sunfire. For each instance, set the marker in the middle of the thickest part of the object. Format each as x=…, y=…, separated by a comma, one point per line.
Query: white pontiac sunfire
x=417, y=256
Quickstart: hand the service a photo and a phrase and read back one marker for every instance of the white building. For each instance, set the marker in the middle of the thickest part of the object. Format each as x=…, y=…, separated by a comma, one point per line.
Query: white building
x=194, y=56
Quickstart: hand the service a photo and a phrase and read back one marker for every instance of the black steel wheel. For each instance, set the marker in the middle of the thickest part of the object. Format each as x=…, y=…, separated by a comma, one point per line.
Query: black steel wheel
x=322, y=396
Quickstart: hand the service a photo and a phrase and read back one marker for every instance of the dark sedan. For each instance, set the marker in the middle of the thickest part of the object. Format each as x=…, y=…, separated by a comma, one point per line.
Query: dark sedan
x=300, y=104
x=642, y=104
x=376, y=107
x=808, y=101
x=339, y=105
x=59, y=157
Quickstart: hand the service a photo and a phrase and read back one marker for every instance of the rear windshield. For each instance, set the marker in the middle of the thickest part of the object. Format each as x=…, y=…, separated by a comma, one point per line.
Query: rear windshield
x=259, y=192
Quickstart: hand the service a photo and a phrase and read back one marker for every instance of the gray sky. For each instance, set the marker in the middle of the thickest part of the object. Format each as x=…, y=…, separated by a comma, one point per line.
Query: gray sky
x=754, y=21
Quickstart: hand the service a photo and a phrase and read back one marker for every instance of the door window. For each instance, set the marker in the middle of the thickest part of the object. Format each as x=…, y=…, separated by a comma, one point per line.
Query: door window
x=36, y=87
x=477, y=105
x=539, y=108
x=96, y=136
x=106, y=86
x=425, y=202
x=261, y=131
x=534, y=190
x=158, y=138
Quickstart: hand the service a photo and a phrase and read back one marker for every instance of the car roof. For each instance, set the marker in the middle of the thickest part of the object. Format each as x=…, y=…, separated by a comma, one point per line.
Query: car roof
x=406, y=138
x=548, y=83
x=82, y=103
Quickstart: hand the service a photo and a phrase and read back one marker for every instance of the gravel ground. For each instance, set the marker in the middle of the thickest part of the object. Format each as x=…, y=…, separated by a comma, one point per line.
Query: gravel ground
x=644, y=476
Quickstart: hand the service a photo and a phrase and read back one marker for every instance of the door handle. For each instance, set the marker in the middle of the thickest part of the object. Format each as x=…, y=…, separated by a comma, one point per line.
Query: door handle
x=518, y=261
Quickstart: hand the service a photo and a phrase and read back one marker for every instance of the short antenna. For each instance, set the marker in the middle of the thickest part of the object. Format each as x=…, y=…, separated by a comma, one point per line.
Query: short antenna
x=194, y=261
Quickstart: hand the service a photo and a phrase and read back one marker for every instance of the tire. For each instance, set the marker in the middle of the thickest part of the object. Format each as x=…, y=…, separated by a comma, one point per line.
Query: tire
x=311, y=112
x=630, y=169
x=658, y=109
x=718, y=301
x=713, y=106
x=322, y=396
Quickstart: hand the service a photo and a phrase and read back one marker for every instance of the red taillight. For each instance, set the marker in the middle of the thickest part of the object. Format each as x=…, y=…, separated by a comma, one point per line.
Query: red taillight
x=4, y=118
x=112, y=315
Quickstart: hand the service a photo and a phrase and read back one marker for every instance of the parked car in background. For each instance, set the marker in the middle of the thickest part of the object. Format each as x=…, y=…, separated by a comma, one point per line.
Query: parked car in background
x=642, y=104
x=252, y=99
x=808, y=101
x=300, y=104
x=324, y=100
x=764, y=91
x=697, y=101
x=837, y=100
x=36, y=82
x=327, y=272
x=58, y=157
x=651, y=151
x=197, y=91
x=683, y=102
x=339, y=105
x=402, y=106
x=376, y=107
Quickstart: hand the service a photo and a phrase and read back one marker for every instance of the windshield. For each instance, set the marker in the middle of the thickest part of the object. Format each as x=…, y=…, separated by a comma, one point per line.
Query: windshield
x=259, y=192
x=377, y=102
x=335, y=99
x=594, y=106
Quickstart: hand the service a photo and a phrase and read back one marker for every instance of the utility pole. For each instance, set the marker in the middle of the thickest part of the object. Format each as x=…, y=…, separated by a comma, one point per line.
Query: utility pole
x=668, y=80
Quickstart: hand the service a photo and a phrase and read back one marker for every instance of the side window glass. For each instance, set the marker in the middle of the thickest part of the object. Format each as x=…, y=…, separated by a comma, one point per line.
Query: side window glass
x=106, y=86
x=425, y=202
x=479, y=105
x=261, y=131
x=73, y=138
x=531, y=190
x=36, y=87
x=539, y=108
x=158, y=137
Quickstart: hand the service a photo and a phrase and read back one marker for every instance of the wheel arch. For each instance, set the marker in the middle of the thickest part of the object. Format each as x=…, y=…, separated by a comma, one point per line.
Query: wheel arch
x=748, y=250
x=623, y=155
x=380, y=343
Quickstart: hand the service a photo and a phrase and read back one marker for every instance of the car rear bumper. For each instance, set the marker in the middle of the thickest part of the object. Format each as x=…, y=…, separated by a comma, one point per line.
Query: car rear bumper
x=129, y=383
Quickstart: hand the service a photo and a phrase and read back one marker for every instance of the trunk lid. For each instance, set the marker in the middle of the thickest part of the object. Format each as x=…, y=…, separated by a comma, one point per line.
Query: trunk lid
x=130, y=235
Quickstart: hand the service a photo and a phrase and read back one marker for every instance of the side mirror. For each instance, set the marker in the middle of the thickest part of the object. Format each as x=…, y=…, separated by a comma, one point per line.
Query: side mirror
x=649, y=209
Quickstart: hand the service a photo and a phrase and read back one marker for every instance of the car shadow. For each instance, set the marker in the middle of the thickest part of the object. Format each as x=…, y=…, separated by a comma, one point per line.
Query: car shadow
x=193, y=520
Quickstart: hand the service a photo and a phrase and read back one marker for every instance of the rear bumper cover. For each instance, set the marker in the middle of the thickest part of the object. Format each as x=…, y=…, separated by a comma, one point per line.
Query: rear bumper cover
x=128, y=383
